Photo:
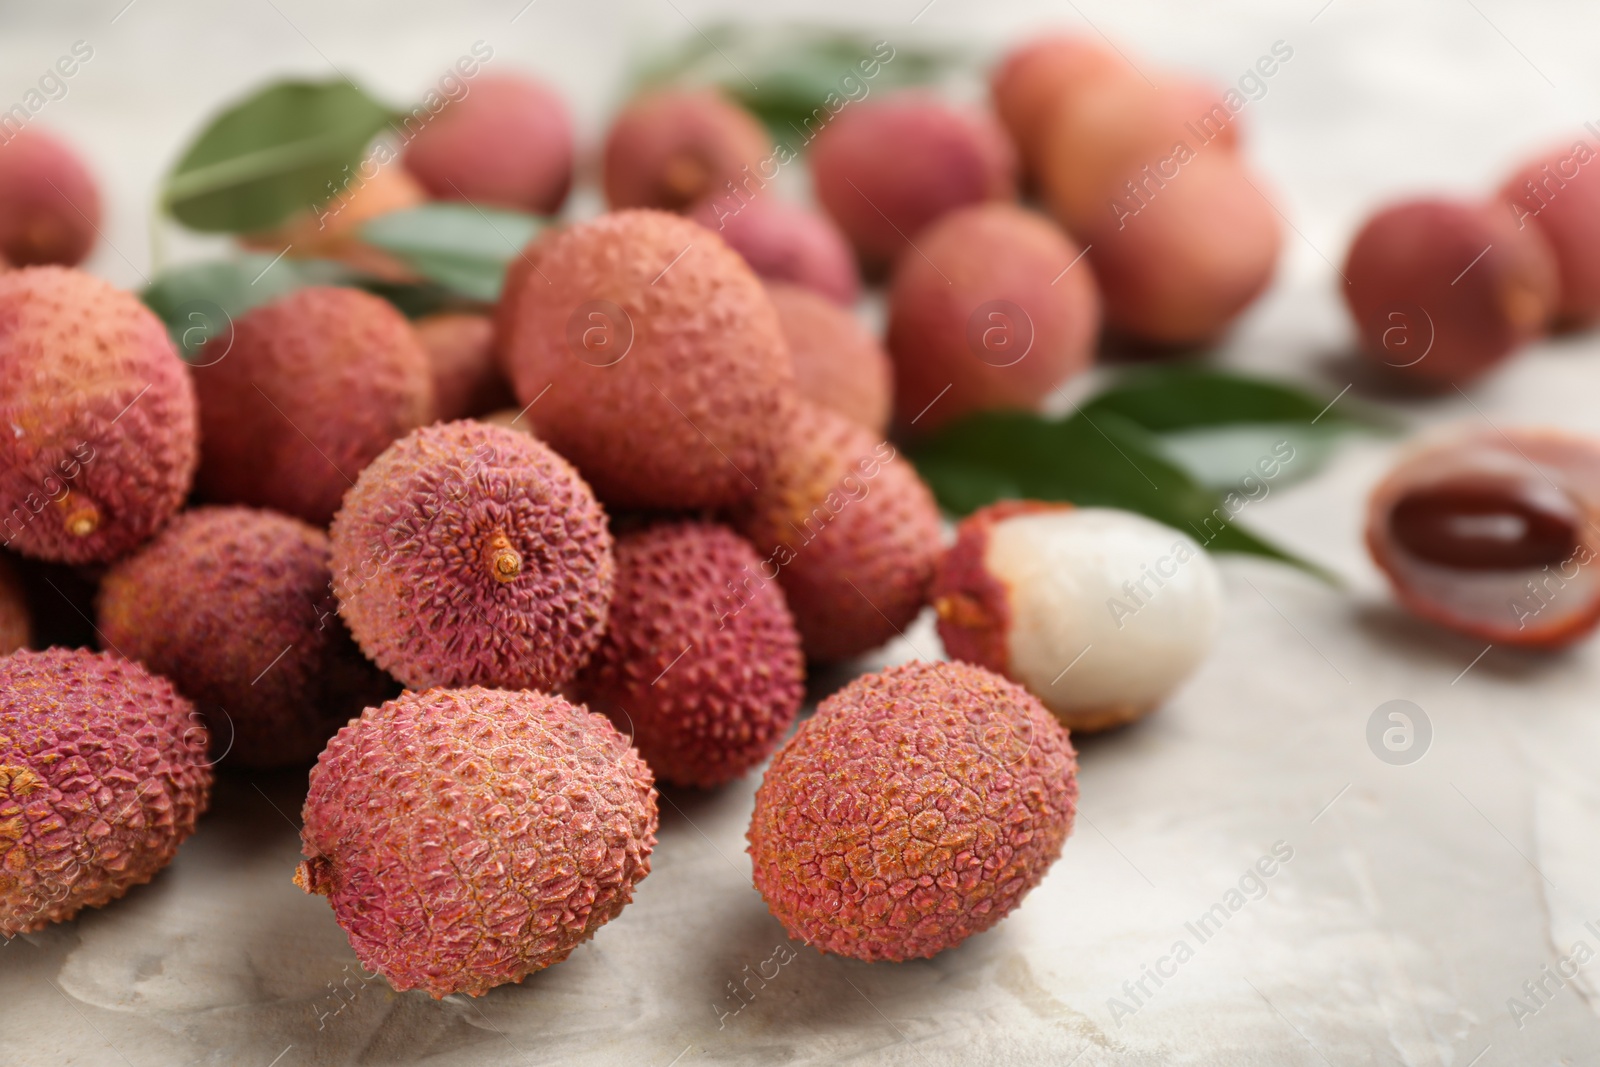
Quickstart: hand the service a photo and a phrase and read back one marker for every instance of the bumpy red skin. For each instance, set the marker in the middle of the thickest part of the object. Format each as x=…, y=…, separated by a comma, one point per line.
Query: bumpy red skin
x=303, y=395
x=701, y=661
x=943, y=314
x=413, y=552
x=467, y=838
x=915, y=809
x=672, y=148
x=852, y=529
x=49, y=203
x=686, y=416
x=235, y=606
x=467, y=380
x=974, y=607
x=1560, y=197
x=100, y=417
x=103, y=774
x=784, y=242
x=885, y=169
x=1409, y=281
x=16, y=623
x=507, y=143
x=838, y=363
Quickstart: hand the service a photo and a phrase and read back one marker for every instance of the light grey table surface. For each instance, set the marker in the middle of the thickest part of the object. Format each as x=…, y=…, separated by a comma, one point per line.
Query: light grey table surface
x=1419, y=898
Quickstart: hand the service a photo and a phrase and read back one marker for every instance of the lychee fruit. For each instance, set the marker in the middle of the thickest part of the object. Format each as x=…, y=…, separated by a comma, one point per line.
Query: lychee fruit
x=701, y=661
x=470, y=554
x=852, y=530
x=1442, y=291
x=1491, y=532
x=654, y=356
x=507, y=143
x=672, y=148
x=469, y=837
x=1099, y=613
x=333, y=229
x=467, y=380
x=101, y=432
x=915, y=809
x=994, y=309
x=49, y=202
x=1034, y=78
x=838, y=363
x=302, y=394
x=887, y=168
x=103, y=774
x=16, y=622
x=234, y=605
x=1558, y=194
x=785, y=242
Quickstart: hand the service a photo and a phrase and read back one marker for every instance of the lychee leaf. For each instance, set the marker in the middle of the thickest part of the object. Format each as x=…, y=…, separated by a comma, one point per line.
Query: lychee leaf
x=283, y=149
x=463, y=247
x=1168, y=399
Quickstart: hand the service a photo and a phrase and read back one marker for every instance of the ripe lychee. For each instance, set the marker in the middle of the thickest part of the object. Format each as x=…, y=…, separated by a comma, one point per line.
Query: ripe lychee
x=103, y=774
x=471, y=554
x=469, y=837
x=101, y=438
x=49, y=203
x=16, y=623
x=467, y=380
x=700, y=661
x=915, y=809
x=784, y=242
x=1558, y=194
x=838, y=363
x=234, y=606
x=302, y=394
x=672, y=148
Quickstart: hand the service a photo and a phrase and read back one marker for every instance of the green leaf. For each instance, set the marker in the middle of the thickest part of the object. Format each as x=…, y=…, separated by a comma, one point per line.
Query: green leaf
x=463, y=248
x=1184, y=398
x=281, y=150
x=1103, y=460
x=1237, y=457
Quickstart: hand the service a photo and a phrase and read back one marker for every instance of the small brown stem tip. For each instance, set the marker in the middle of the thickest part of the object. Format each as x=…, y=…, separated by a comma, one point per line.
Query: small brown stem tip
x=505, y=562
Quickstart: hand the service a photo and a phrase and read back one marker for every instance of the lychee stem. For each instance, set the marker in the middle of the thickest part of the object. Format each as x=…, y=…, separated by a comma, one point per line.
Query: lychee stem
x=505, y=562
x=80, y=516
x=314, y=876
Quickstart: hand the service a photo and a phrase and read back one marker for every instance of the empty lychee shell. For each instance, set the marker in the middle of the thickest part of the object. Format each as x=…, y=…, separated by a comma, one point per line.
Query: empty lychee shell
x=1491, y=533
x=1099, y=613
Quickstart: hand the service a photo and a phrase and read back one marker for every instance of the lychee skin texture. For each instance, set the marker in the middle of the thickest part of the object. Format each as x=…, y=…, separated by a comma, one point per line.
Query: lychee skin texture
x=49, y=202
x=471, y=554
x=103, y=773
x=102, y=436
x=701, y=661
x=467, y=381
x=469, y=837
x=838, y=363
x=852, y=529
x=235, y=606
x=655, y=359
x=304, y=394
x=1558, y=194
x=672, y=148
x=785, y=242
x=1423, y=316
x=16, y=623
x=915, y=809
x=887, y=168
x=507, y=143
x=994, y=309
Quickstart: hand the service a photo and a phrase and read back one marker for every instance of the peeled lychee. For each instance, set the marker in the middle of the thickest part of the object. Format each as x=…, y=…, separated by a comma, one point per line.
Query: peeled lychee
x=16, y=623
x=506, y=143
x=672, y=148
x=838, y=363
x=49, y=203
x=654, y=359
x=467, y=380
x=302, y=394
x=1442, y=291
x=1099, y=613
x=103, y=774
x=785, y=242
x=852, y=530
x=700, y=661
x=994, y=309
x=100, y=443
x=887, y=168
x=470, y=554
x=1558, y=194
x=234, y=606
x=915, y=809
x=469, y=837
